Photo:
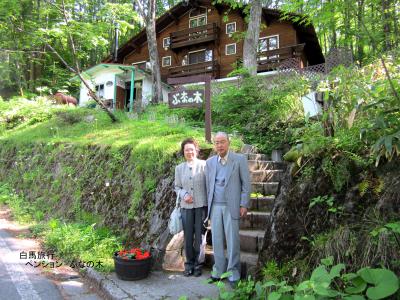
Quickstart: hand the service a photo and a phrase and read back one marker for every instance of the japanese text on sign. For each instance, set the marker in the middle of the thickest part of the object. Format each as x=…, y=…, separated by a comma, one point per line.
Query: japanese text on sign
x=186, y=99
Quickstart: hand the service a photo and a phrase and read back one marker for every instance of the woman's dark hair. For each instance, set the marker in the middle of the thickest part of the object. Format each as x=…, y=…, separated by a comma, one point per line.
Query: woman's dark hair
x=190, y=141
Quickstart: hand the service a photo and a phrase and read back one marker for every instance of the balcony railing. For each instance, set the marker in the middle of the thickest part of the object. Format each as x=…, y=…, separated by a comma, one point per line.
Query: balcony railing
x=271, y=59
x=193, y=36
x=195, y=69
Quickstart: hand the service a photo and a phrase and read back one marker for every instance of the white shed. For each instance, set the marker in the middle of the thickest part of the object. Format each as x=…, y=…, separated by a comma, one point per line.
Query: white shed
x=119, y=86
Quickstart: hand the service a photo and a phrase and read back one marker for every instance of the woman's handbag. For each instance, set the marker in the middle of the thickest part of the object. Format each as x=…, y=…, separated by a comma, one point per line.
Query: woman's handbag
x=202, y=254
x=175, y=220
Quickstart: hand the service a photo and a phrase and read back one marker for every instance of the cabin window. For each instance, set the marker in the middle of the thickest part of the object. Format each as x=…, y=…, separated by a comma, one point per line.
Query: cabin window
x=166, y=61
x=99, y=90
x=198, y=17
x=201, y=56
x=197, y=21
x=268, y=43
x=230, y=49
x=166, y=42
x=230, y=28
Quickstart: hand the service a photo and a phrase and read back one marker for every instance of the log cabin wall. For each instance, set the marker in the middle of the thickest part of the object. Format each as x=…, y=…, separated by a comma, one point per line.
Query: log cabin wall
x=285, y=30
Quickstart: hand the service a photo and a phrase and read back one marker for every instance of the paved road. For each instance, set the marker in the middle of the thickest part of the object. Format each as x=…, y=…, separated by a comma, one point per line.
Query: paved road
x=21, y=281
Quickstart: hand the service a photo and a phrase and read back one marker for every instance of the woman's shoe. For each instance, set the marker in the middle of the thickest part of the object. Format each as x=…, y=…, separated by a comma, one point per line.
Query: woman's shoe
x=197, y=272
x=188, y=273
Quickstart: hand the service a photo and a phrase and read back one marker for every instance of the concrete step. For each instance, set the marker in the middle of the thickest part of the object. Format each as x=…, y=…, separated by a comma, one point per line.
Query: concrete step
x=266, y=175
x=262, y=203
x=257, y=156
x=251, y=240
x=265, y=188
x=248, y=262
x=255, y=220
x=255, y=165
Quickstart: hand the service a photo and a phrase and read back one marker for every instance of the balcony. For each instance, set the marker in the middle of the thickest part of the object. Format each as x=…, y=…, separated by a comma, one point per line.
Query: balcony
x=194, y=36
x=195, y=69
x=272, y=59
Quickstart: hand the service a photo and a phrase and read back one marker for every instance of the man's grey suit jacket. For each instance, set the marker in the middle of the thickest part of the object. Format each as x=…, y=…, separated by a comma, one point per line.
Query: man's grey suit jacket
x=237, y=182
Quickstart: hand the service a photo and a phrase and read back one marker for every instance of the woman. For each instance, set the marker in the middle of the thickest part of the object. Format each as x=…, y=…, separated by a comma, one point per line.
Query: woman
x=190, y=187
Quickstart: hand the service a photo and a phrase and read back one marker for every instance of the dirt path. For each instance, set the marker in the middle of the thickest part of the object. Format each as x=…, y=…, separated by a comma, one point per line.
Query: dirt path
x=29, y=272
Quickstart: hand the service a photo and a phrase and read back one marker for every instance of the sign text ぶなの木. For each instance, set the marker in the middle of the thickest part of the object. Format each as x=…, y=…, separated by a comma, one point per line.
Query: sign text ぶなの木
x=206, y=96
x=187, y=98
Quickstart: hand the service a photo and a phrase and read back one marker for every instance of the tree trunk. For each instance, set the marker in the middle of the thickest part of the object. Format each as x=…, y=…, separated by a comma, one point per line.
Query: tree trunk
x=250, y=46
x=359, y=40
x=386, y=24
x=332, y=25
x=154, y=60
x=147, y=9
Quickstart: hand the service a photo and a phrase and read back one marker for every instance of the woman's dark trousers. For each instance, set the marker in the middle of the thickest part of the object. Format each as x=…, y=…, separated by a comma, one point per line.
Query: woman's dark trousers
x=193, y=228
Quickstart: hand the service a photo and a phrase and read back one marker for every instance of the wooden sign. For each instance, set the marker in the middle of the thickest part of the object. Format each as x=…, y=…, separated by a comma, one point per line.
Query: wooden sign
x=206, y=97
x=192, y=98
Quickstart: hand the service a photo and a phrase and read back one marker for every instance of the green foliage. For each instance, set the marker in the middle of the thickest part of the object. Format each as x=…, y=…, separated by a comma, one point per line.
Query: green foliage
x=327, y=281
x=70, y=241
x=27, y=26
x=85, y=242
x=21, y=112
x=327, y=201
x=260, y=109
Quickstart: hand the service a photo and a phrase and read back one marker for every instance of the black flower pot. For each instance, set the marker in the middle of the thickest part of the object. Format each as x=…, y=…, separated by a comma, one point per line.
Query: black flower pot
x=131, y=269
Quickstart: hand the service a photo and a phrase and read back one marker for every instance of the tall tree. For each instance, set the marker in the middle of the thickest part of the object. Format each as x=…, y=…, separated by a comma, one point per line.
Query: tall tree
x=147, y=10
x=250, y=45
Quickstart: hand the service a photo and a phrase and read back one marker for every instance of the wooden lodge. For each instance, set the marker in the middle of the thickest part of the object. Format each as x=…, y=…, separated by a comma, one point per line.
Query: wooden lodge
x=197, y=37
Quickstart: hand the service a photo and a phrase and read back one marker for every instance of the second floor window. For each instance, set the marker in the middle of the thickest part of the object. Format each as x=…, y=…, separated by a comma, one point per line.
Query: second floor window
x=166, y=61
x=230, y=49
x=198, y=17
x=230, y=28
x=268, y=43
x=198, y=21
x=166, y=42
x=199, y=57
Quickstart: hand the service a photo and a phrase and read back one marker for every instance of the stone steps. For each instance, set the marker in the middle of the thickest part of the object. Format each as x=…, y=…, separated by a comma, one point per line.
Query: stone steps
x=255, y=220
x=265, y=165
x=251, y=240
x=257, y=156
x=265, y=188
x=266, y=175
x=261, y=203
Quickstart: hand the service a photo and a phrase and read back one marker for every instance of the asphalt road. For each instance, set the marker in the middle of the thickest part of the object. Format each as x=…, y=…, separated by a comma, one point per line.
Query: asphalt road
x=20, y=280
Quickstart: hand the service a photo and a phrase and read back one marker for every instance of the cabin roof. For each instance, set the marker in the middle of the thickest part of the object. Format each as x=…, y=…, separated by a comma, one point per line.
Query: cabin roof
x=306, y=33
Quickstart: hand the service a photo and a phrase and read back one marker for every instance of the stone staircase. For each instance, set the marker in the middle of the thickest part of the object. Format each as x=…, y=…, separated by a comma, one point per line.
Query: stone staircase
x=265, y=179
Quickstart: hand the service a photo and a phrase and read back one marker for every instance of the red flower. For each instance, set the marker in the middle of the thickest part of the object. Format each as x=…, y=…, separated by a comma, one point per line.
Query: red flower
x=134, y=253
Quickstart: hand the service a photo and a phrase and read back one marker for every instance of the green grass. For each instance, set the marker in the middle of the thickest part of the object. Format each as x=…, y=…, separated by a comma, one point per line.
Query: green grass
x=82, y=240
x=150, y=131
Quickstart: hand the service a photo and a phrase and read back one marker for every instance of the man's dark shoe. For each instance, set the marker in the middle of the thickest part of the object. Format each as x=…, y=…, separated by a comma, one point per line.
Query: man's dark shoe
x=188, y=273
x=233, y=284
x=197, y=272
x=212, y=279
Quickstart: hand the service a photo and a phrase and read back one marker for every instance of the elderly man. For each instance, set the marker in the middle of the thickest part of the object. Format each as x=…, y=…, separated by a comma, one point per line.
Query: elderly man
x=228, y=193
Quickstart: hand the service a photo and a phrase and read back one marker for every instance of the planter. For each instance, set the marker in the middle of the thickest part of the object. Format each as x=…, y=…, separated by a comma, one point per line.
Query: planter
x=131, y=269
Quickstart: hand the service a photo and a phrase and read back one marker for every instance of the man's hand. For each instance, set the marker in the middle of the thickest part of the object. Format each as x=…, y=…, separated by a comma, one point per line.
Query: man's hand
x=243, y=212
x=188, y=199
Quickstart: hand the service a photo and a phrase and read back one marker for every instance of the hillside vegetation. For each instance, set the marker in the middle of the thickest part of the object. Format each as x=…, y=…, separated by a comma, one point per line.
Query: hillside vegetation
x=339, y=207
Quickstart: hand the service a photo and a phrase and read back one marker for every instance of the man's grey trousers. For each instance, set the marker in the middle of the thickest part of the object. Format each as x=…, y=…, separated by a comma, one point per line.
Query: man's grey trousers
x=224, y=227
